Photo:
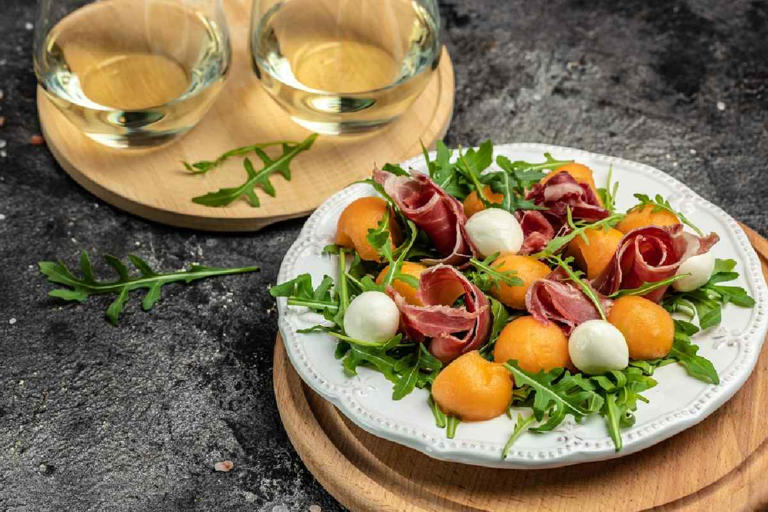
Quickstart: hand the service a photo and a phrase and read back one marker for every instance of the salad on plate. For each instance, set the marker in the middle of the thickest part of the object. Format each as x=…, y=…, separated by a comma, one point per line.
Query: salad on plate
x=517, y=288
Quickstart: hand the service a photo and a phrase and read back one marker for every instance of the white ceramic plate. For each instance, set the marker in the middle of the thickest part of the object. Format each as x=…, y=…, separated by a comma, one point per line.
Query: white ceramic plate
x=676, y=403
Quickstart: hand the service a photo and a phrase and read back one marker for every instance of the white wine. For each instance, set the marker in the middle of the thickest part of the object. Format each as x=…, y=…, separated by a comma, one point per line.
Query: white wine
x=345, y=69
x=133, y=73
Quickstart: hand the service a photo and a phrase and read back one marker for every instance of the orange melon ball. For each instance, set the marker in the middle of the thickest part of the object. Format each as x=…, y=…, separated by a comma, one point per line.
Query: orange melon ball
x=645, y=216
x=473, y=388
x=409, y=293
x=594, y=254
x=528, y=269
x=647, y=327
x=355, y=221
x=473, y=204
x=580, y=172
x=535, y=345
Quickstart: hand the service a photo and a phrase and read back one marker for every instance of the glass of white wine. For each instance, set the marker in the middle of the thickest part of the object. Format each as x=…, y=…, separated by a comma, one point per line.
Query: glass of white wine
x=341, y=66
x=132, y=73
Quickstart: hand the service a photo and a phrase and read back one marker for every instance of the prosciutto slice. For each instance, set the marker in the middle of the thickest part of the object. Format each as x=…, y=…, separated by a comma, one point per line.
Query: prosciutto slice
x=438, y=214
x=556, y=298
x=561, y=192
x=650, y=254
x=537, y=231
x=452, y=330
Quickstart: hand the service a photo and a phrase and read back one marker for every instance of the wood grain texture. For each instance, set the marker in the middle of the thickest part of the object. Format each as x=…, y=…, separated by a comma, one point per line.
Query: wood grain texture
x=153, y=184
x=719, y=464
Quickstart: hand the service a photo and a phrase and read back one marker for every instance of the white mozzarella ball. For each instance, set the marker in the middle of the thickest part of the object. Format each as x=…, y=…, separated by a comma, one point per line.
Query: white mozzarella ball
x=372, y=316
x=700, y=267
x=597, y=347
x=494, y=230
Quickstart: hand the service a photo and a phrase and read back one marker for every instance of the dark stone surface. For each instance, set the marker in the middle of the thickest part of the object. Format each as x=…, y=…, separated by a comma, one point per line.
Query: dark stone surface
x=133, y=418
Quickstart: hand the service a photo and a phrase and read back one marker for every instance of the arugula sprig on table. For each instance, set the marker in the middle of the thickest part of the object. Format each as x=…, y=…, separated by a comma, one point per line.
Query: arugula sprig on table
x=255, y=179
x=706, y=303
x=80, y=288
x=204, y=166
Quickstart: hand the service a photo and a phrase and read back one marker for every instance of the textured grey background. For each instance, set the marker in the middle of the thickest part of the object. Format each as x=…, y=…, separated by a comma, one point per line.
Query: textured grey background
x=133, y=418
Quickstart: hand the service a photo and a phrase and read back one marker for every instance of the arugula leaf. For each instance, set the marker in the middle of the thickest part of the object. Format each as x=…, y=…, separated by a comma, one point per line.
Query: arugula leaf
x=379, y=239
x=471, y=165
x=707, y=302
x=647, y=287
x=521, y=425
x=620, y=391
x=488, y=277
x=79, y=289
x=329, y=298
x=452, y=423
x=203, y=166
x=353, y=341
x=474, y=162
x=500, y=317
x=342, y=286
x=226, y=196
x=370, y=356
x=300, y=292
x=502, y=183
x=659, y=203
x=577, y=229
x=443, y=172
x=685, y=353
x=407, y=382
x=405, y=368
x=612, y=414
x=557, y=393
x=467, y=173
x=608, y=194
x=513, y=181
x=395, y=169
x=525, y=174
x=440, y=419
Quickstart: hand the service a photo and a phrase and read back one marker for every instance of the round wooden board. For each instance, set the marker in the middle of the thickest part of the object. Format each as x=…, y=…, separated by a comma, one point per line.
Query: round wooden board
x=719, y=464
x=153, y=183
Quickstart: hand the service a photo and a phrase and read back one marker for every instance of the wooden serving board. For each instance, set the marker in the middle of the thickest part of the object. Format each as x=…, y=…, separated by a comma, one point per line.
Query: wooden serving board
x=720, y=464
x=153, y=183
